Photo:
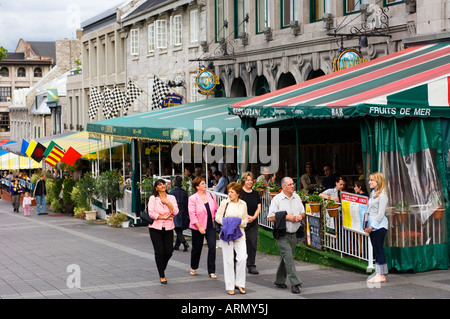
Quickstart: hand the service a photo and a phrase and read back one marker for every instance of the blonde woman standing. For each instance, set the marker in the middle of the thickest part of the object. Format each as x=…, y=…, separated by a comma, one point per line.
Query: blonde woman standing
x=378, y=224
x=232, y=215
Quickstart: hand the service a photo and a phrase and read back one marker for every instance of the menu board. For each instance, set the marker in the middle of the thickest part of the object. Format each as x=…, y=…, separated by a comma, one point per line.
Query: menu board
x=354, y=212
x=313, y=232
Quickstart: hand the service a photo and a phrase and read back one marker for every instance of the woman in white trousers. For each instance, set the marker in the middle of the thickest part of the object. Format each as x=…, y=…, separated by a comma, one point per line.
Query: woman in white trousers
x=235, y=209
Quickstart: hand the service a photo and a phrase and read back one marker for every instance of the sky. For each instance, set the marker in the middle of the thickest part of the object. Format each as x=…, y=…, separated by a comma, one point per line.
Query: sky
x=46, y=20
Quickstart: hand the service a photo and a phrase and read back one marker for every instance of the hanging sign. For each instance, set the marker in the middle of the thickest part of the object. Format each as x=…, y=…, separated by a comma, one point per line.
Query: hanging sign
x=348, y=58
x=207, y=80
x=171, y=99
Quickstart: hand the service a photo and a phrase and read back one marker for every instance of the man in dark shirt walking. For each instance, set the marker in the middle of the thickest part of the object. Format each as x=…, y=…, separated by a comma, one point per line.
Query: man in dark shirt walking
x=39, y=193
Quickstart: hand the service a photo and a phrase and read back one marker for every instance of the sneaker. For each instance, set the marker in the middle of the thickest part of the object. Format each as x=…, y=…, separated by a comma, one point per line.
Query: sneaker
x=253, y=270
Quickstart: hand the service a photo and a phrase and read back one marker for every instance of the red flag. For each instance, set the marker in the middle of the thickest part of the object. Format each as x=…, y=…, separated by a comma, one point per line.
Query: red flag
x=71, y=156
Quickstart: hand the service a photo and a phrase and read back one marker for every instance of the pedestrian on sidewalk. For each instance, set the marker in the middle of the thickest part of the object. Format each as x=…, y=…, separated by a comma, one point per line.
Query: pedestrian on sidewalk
x=232, y=215
x=378, y=224
x=253, y=201
x=202, y=208
x=16, y=190
x=162, y=207
x=291, y=205
x=40, y=191
x=27, y=204
x=181, y=220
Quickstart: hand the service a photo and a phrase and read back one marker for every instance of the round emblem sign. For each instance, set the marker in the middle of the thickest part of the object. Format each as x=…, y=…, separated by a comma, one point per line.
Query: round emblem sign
x=347, y=59
x=206, y=81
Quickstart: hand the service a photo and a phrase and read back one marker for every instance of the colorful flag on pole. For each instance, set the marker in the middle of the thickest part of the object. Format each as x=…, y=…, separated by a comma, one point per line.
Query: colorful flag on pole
x=30, y=148
x=50, y=148
x=132, y=94
x=55, y=155
x=38, y=152
x=71, y=156
x=23, y=149
x=160, y=89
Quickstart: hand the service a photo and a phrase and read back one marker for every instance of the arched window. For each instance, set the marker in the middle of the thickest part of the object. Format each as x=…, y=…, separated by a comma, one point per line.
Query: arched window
x=4, y=71
x=21, y=73
x=37, y=72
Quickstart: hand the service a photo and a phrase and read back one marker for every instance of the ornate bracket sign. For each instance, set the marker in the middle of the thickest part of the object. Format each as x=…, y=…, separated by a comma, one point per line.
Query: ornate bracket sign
x=206, y=80
x=348, y=58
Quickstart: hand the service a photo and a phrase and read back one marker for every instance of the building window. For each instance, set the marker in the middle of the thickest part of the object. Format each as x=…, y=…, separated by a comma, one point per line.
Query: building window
x=220, y=19
x=37, y=72
x=176, y=30
x=239, y=16
x=161, y=34
x=287, y=12
x=353, y=5
x=262, y=15
x=319, y=7
x=4, y=122
x=151, y=37
x=388, y=2
x=194, y=88
x=4, y=72
x=193, y=26
x=5, y=94
x=134, y=41
x=21, y=73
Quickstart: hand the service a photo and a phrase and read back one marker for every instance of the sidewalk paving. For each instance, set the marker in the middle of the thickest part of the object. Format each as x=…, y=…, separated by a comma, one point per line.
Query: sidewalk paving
x=40, y=257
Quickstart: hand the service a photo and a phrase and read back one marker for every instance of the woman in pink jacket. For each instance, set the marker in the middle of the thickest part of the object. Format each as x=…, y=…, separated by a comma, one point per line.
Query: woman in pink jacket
x=202, y=208
x=162, y=207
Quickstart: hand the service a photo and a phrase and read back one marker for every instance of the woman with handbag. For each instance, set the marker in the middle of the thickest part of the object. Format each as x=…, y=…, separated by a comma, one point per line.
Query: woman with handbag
x=16, y=190
x=162, y=207
x=202, y=209
x=232, y=215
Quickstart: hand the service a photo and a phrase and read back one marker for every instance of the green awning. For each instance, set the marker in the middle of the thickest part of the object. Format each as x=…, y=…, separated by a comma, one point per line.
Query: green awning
x=203, y=122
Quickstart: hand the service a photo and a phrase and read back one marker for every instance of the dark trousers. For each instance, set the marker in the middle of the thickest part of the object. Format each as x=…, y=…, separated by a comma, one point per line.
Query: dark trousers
x=16, y=201
x=377, y=240
x=162, y=241
x=180, y=236
x=197, y=245
x=251, y=237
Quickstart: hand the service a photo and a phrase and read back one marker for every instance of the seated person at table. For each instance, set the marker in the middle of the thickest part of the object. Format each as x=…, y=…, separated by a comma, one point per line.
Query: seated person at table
x=330, y=176
x=334, y=193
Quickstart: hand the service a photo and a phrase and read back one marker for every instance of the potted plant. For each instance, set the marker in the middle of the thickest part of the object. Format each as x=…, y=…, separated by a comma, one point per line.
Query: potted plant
x=118, y=219
x=315, y=201
x=402, y=210
x=438, y=208
x=260, y=186
x=108, y=186
x=331, y=207
x=274, y=190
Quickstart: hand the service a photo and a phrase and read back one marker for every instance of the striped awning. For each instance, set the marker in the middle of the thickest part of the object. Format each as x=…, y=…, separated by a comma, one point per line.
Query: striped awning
x=413, y=82
x=12, y=161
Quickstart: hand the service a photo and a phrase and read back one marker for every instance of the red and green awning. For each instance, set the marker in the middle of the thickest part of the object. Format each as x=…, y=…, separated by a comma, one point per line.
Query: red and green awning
x=412, y=82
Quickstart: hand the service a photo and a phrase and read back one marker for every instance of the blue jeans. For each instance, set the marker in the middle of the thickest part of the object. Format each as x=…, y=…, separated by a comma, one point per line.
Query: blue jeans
x=41, y=200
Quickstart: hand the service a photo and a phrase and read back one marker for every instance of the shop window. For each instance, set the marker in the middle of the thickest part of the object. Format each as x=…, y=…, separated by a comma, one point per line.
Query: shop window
x=21, y=73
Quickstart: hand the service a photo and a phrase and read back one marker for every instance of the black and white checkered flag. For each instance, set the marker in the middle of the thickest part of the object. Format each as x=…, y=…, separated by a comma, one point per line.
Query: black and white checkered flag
x=107, y=103
x=96, y=98
x=160, y=89
x=118, y=100
x=132, y=94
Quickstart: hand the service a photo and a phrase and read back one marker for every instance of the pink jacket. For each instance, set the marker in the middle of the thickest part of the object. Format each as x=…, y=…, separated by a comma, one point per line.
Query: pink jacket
x=157, y=208
x=27, y=201
x=197, y=209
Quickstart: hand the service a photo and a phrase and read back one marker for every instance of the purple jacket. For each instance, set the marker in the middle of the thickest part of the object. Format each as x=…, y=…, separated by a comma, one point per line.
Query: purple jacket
x=230, y=229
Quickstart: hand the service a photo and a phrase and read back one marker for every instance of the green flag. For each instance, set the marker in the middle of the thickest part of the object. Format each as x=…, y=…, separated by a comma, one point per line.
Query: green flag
x=50, y=148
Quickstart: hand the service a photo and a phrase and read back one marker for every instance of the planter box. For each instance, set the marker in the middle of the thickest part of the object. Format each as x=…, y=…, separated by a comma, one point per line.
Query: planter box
x=91, y=215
